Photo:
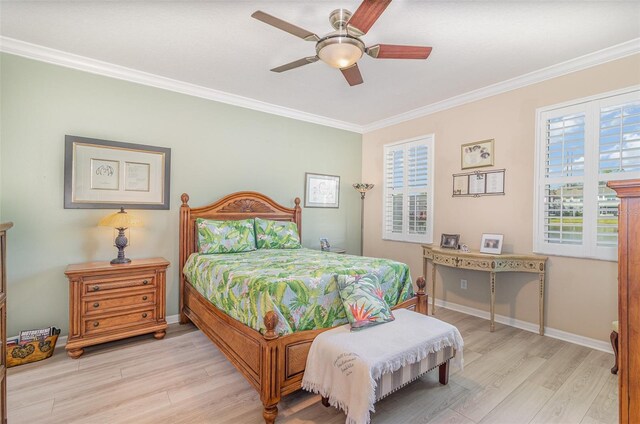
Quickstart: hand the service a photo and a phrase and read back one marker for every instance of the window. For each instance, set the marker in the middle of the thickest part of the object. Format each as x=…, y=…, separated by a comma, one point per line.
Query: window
x=579, y=148
x=408, y=191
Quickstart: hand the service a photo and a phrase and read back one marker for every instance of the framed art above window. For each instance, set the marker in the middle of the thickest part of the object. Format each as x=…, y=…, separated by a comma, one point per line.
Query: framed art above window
x=580, y=146
x=102, y=174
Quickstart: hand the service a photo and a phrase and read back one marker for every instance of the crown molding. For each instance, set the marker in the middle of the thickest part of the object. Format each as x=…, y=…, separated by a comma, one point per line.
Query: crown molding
x=599, y=57
x=82, y=63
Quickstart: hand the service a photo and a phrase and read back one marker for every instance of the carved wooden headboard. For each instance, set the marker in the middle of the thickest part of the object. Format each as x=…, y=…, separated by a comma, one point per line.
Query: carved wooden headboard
x=241, y=205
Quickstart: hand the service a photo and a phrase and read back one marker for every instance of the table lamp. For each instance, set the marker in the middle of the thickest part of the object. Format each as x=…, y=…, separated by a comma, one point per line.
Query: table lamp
x=120, y=221
x=362, y=188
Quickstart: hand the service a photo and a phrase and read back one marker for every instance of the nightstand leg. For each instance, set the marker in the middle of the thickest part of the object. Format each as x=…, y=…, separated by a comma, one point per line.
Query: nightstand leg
x=160, y=334
x=75, y=353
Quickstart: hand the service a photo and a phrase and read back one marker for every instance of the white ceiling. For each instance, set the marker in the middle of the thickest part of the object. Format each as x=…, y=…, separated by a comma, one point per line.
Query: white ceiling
x=217, y=45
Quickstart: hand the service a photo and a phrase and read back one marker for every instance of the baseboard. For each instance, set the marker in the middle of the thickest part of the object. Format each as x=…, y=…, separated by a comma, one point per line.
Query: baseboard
x=600, y=345
x=171, y=319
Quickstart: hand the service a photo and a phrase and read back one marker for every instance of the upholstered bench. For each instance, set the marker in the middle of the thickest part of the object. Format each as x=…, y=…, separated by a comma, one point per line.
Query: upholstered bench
x=388, y=383
x=353, y=370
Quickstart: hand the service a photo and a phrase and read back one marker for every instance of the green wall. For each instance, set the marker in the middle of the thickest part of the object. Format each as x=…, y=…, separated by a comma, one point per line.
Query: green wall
x=216, y=149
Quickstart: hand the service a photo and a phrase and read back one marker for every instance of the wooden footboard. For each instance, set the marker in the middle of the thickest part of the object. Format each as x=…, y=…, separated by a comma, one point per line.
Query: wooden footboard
x=273, y=364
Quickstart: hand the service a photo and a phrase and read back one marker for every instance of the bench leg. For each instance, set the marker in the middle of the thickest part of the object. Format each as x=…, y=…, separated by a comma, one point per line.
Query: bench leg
x=325, y=401
x=444, y=373
x=614, y=345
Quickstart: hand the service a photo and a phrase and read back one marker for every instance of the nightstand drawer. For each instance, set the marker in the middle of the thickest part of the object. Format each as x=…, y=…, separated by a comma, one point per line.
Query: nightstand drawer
x=110, y=302
x=106, y=284
x=118, y=321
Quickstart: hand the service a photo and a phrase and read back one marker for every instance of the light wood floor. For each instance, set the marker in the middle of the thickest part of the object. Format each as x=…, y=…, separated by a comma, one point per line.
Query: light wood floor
x=510, y=376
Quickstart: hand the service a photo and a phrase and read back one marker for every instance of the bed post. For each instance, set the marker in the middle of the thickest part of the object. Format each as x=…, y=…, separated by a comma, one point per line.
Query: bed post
x=270, y=378
x=297, y=215
x=422, y=306
x=185, y=247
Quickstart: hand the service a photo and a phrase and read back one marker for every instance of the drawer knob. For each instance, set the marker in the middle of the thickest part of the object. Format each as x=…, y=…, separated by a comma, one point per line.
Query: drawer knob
x=144, y=315
x=144, y=297
x=96, y=288
x=96, y=305
x=145, y=282
x=95, y=324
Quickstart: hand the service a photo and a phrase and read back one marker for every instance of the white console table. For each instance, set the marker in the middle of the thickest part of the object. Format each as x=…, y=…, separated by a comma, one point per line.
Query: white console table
x=492, y=264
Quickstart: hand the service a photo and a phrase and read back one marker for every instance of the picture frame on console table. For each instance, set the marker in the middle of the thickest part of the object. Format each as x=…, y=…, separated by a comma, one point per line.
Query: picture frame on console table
x=491, y=243
x=103, y=174
x=449, y=241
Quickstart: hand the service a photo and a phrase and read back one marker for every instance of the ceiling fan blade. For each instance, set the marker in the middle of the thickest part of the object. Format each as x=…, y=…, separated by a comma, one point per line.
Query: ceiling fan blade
x=296, y=64
x=390, y=51
x=366, y=15
x=352, y=75
x=285, y=26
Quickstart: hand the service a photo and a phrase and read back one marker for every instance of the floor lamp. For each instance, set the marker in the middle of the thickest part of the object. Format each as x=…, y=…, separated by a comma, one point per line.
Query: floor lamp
x=362, y=189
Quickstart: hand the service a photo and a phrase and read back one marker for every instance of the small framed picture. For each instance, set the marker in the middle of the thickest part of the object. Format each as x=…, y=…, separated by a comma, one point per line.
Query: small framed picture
x=449, y=241
x=477, y=154
x=324, y=244
x=321, y=191
x=491, y=243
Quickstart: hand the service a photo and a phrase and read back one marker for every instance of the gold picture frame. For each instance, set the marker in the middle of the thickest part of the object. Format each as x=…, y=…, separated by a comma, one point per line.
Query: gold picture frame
x=477, y=154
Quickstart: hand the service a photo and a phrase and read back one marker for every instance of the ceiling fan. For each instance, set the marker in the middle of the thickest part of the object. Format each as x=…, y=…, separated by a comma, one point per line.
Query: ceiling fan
x=343, y=47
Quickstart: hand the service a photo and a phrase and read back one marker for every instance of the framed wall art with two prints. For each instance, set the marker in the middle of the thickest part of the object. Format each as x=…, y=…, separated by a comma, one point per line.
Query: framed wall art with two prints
x=102, y=174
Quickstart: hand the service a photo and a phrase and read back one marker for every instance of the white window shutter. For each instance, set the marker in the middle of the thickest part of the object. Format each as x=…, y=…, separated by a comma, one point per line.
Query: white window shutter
x=407, y=208
x=579, y=148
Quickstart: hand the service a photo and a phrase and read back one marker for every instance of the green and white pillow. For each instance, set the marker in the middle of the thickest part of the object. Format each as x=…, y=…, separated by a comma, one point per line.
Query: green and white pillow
x=276, y=234
x=363, y=301
x=225, y=236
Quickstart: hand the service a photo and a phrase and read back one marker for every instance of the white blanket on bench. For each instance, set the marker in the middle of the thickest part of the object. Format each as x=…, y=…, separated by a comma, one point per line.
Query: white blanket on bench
x=343, y=366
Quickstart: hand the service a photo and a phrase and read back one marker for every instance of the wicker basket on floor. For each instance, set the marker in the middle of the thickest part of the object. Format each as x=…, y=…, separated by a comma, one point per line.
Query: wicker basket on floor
x=33, y=351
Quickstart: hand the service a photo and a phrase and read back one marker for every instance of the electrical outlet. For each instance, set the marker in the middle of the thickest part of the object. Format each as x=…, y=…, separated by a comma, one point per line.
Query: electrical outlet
x=463, y=284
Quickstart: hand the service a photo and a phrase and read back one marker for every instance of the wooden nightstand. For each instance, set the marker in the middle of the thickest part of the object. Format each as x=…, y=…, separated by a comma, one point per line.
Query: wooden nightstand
x=111, y=302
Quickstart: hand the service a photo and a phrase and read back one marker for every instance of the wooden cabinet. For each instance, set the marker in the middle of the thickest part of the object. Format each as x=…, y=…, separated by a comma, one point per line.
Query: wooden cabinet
x=628, y=299
x=3, y=320
x=110, y=302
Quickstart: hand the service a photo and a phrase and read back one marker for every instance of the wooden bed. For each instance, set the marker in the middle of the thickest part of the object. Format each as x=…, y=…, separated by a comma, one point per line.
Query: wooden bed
x=273, y=364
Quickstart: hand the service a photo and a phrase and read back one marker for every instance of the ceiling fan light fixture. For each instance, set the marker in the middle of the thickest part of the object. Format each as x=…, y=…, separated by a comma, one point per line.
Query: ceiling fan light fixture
x=340, y=52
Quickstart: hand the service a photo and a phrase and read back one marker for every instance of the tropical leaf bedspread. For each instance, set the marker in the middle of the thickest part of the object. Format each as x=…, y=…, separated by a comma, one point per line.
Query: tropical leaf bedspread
x=299, y=285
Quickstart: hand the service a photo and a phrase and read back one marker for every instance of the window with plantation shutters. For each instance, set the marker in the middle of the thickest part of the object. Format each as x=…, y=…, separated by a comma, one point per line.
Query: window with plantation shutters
x=408, y=194
x=579, y=148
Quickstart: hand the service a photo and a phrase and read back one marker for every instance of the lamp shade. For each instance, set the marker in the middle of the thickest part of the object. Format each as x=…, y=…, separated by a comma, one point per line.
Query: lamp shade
x=363, y=187
x=340, y=55
x=120, y=219
x=340, y=50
